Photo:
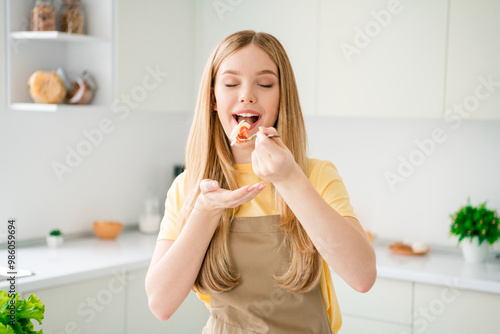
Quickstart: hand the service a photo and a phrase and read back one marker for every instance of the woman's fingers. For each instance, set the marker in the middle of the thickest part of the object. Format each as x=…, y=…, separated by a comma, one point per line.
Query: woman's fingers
x=242, y=195
x=223, y=198
x=269, y=140
x=208, y=185
x=269, y=147
x=271, y=159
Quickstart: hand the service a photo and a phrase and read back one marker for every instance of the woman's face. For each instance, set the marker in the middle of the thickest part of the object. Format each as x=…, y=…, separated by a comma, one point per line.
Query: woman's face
x=247, y=88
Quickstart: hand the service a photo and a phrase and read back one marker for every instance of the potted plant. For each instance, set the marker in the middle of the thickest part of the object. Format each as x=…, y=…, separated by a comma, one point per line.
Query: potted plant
x=480, y=226
x=16, y=314
x=55, y=238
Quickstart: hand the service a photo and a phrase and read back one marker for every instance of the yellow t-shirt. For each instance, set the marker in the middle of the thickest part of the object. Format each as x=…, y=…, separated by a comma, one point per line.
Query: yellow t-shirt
x=325, y=179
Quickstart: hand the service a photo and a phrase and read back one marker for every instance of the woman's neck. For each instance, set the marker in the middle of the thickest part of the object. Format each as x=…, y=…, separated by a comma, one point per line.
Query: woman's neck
x=242, y=155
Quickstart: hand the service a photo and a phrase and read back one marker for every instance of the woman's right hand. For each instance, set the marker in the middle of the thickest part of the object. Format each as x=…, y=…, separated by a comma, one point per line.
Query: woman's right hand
x=215, y=199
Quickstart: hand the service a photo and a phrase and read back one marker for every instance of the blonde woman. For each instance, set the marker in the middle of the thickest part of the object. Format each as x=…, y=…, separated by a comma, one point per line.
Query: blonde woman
x=253, y=228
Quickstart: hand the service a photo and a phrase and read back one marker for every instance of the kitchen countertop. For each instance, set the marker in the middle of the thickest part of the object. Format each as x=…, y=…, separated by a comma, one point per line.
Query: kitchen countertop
x=89, y=257
x=81, y=259
x=441, y=266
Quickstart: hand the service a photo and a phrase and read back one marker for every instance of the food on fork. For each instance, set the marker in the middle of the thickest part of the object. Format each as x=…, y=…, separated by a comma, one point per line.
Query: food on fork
x=241, y=131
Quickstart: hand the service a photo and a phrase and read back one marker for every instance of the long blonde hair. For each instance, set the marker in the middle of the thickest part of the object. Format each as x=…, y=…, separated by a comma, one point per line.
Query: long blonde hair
x=208, y=156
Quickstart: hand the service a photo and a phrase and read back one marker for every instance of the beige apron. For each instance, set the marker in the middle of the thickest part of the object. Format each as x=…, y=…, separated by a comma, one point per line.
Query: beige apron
x=257, y=304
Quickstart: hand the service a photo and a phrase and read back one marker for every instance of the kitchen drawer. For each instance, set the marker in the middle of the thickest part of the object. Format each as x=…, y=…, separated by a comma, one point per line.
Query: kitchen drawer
x=446, y=309
x=389, y=300
x=94, y=306
x=354, y=325
x=190, y=317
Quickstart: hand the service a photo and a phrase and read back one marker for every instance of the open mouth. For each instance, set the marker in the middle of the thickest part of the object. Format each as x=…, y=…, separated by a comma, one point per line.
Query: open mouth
x=250, y=118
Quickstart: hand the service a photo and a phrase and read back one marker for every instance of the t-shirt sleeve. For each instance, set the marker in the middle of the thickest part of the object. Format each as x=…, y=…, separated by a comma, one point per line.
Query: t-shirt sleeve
x=173, y=205
x=325, y=178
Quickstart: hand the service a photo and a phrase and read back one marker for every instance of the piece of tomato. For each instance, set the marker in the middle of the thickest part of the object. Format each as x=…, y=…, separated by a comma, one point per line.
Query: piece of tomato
x=244, y=133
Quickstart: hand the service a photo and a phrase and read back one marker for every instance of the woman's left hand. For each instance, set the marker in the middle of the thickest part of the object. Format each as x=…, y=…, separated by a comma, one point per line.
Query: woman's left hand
x=271, y=159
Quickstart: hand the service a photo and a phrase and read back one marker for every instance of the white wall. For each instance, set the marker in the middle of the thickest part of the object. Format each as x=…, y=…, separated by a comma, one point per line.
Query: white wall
x=364, y=150
x=141, y=151
x=107, y=184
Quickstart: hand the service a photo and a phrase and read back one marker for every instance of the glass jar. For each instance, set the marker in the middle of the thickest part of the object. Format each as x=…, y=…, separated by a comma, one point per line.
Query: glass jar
x=80, y=91
x=72, y=18
x=150, y=219
x=43, y=16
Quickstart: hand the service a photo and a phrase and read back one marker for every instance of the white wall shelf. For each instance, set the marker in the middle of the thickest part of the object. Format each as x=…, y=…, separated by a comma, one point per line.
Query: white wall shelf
x=30, y=51
x=46, y=107
x=54, y=36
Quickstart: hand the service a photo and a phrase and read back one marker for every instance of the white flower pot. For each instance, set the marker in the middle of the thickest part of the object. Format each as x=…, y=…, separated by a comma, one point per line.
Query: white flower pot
x=54, y=241
x=472, y=252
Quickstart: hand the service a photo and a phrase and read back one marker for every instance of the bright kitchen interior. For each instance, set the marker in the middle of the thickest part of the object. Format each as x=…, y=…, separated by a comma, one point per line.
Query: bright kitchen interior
x=402, y=96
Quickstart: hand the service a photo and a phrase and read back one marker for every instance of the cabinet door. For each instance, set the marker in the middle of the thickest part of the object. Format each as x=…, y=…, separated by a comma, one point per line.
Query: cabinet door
x=388, y=301
x=293, y=23
x=446, y=309
x=191, y=316
x=356, y=325
x=154, y=52
x=94, y=306
x=3, y=75
x=382, y=58
x=473, y=59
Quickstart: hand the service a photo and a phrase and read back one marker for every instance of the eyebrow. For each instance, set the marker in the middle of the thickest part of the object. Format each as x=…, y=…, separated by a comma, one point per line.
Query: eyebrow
x=258, y=73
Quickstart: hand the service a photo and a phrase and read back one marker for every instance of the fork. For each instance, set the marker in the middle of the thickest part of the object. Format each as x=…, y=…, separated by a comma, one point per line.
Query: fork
x=252, y=137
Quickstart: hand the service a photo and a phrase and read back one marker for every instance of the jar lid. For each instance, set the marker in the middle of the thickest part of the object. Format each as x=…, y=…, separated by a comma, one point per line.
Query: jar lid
x=64, y=77
x=89, y=79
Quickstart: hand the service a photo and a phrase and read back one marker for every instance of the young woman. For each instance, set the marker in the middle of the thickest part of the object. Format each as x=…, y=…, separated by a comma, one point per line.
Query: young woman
x=253, y=228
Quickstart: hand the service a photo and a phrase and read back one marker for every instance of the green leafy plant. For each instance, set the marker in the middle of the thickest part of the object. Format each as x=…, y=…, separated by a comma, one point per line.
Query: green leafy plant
x=480, y=222
x=24, y=310
x=55, y=232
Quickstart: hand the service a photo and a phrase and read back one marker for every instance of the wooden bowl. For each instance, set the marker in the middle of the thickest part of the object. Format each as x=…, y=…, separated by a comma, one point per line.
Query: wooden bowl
x=107, y=229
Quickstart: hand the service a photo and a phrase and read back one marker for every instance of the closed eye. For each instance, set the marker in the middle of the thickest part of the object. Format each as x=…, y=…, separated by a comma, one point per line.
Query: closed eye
x=228, y=85
x=267, y=86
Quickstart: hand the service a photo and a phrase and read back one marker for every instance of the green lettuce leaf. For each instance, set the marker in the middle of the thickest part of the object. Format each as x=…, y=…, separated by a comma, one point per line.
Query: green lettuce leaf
x=26, y=310
x=6, y=330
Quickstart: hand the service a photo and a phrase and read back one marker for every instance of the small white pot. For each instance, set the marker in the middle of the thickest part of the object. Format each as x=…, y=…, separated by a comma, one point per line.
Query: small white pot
x=54, y=241
x=472, y=252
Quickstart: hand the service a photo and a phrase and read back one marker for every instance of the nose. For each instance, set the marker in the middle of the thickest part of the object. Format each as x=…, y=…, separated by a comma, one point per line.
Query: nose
x=247, y=95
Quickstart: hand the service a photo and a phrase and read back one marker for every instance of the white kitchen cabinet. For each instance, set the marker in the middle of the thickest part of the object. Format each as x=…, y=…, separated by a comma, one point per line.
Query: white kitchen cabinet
x=114, y=304
x=92, y=306
x=355, y=325
x=191, y=316
x=446, y=309
x=2, y=51
x=473, y=58
x=386, y=308
x=294, y=23
x=29, y=51
x=155, y=52
x=382, y=58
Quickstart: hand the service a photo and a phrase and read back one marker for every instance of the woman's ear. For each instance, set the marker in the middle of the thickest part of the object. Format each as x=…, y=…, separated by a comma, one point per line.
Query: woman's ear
x=213, y=102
